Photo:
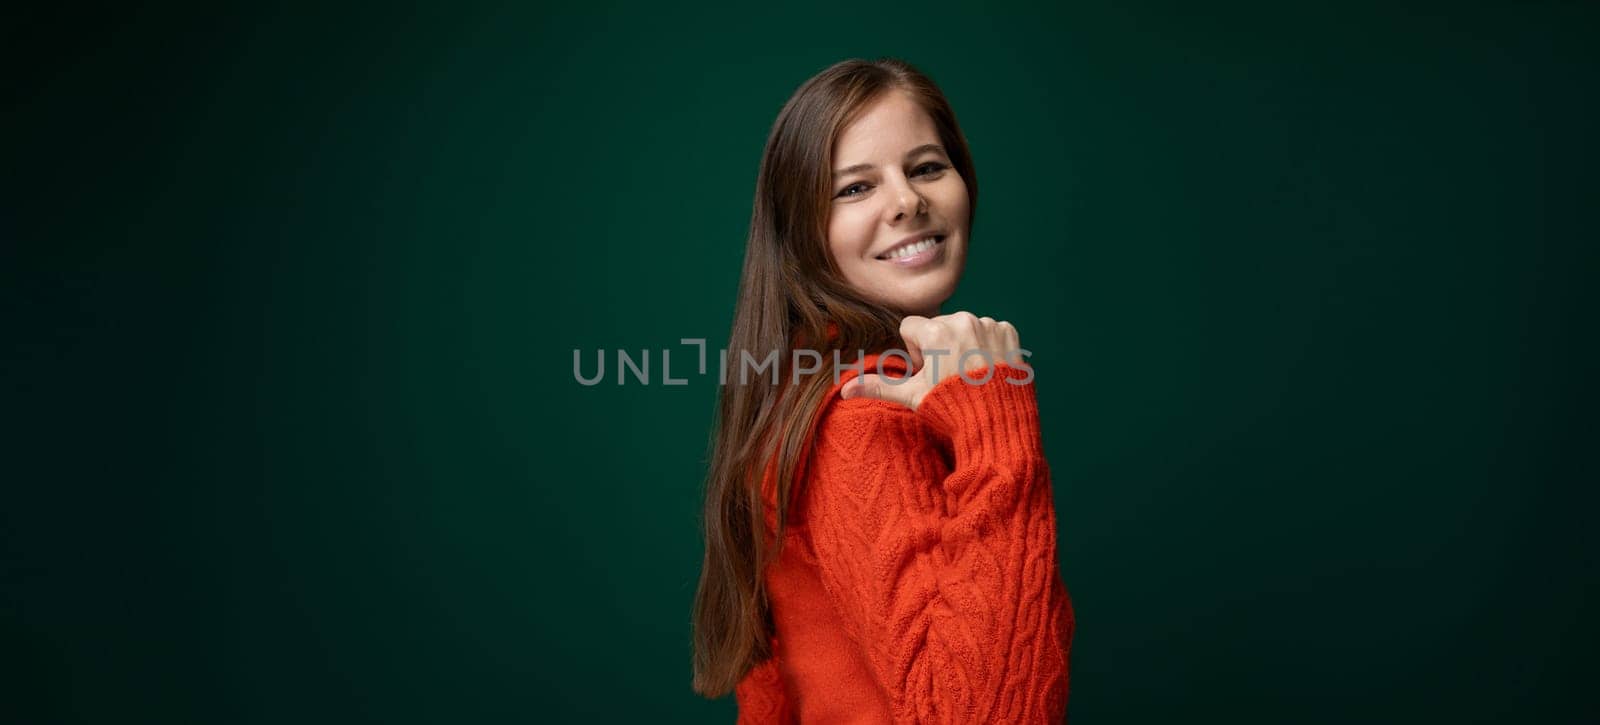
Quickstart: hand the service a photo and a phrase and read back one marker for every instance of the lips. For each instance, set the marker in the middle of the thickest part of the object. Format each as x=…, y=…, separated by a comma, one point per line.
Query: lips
x=908, y=241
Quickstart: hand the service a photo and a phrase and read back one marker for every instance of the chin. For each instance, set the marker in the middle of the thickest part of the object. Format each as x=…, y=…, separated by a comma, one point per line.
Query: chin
x=916, y=292
x=920, y=299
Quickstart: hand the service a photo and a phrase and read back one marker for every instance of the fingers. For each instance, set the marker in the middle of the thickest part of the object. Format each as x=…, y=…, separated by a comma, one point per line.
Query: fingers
x=965, y=331
x=874, y=386
x=911, y=330
x=1010, y=344
x=954, y=336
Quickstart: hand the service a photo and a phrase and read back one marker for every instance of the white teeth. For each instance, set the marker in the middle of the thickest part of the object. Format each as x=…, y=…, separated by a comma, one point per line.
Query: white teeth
x=911, y=249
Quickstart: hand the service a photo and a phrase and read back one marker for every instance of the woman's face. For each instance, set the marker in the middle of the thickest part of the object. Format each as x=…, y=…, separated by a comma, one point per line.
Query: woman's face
x=893, y=189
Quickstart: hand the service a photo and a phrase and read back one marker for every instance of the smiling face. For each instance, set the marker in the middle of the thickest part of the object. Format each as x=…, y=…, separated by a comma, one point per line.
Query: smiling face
x=898, y=222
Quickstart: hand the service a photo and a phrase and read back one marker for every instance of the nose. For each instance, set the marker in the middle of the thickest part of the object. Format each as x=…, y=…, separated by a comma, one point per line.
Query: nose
x=906, y=200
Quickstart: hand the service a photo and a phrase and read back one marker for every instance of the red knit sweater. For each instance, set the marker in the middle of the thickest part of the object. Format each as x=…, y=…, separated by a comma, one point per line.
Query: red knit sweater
x=918, y=580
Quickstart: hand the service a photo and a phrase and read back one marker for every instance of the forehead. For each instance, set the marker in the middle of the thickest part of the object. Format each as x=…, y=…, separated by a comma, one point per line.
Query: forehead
x=888, y=128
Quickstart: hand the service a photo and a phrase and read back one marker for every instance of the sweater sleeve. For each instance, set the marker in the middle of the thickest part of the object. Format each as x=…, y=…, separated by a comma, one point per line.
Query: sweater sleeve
x=934, y=533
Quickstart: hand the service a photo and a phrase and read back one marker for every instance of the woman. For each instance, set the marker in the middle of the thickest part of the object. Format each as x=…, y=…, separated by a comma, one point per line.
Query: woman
x=881, y=540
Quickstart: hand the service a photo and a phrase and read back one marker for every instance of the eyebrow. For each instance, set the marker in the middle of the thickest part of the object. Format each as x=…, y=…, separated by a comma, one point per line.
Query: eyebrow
x=909, y=154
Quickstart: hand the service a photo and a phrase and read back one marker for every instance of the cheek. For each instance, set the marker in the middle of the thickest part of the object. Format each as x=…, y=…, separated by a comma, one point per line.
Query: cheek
x=953, y=199
x=849, y=236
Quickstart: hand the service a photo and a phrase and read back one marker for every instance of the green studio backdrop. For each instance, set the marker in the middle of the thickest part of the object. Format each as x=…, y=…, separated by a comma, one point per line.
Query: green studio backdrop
x=291, y=297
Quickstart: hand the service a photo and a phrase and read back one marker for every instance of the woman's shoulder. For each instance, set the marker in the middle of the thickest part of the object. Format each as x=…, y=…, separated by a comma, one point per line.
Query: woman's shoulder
x=853, y=433
x=835, y=412
x=971, y=412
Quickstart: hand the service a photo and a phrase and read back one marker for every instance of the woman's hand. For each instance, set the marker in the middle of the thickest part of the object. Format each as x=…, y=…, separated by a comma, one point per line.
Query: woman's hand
x=940, y=347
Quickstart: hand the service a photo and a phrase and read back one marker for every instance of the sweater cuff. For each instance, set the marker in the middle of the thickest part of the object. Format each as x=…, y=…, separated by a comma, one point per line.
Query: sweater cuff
x=993, y=420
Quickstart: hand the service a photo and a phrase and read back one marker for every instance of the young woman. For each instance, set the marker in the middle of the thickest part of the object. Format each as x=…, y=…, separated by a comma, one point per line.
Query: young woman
x=881, y=539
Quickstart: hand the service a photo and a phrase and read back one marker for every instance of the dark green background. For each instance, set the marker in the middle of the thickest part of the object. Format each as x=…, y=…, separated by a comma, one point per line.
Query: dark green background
x=290, y=298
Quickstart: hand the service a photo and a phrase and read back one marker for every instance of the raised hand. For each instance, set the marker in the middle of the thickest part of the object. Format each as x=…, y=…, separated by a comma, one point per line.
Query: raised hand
x=940, y=347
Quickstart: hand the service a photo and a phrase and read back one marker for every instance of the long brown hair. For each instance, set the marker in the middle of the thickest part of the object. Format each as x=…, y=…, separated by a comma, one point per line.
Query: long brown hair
x=789, y=293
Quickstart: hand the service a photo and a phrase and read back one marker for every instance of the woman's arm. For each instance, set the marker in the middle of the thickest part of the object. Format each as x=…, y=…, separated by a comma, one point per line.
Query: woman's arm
x=945, y=572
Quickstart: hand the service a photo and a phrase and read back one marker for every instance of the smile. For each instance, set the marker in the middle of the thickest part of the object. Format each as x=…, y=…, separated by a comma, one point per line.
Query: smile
x=916, y=253
x=908, y=250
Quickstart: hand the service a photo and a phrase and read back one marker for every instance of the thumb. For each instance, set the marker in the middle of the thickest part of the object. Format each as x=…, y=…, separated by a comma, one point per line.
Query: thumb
x=876, y=386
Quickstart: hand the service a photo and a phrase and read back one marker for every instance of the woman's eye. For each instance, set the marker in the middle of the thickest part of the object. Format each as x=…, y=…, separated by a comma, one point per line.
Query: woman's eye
x=928, y=169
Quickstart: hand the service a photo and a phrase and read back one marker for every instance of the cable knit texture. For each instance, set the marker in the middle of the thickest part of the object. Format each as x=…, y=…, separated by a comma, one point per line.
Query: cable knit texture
x=919, y=580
